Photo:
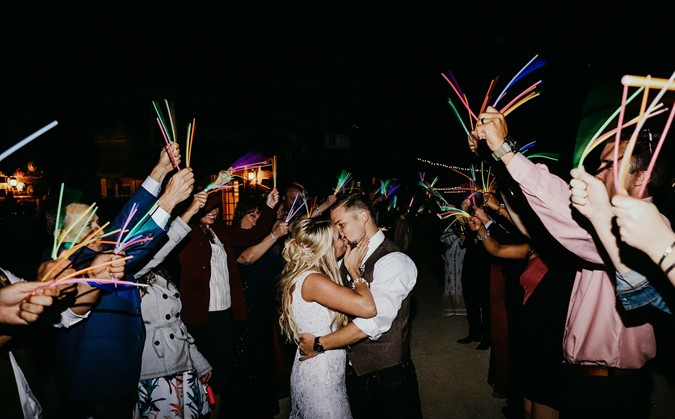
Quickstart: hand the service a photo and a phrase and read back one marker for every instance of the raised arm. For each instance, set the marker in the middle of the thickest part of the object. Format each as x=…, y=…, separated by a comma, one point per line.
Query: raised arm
x=253, y=253
x=493, y=247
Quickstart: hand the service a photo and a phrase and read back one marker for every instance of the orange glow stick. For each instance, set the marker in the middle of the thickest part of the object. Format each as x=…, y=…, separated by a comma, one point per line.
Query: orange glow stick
x=529, y=89
x=520, y=102
x=274, y=171
x=89, y=268
x=638, y=81
x=192, y=140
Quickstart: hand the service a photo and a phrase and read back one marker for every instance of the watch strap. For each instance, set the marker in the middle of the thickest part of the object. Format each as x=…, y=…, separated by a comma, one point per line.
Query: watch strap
x=507, y=146
x=318, y=347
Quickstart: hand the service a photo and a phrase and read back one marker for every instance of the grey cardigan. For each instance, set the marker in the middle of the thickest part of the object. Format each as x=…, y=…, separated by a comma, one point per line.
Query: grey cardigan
x=169, y=348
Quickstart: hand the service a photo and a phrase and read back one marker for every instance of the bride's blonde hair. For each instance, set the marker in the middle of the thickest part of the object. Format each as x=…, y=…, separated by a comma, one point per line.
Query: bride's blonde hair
x=309, y=247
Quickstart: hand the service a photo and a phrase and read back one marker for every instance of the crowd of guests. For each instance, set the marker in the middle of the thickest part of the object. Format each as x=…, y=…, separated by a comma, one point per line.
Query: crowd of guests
x=169, y=311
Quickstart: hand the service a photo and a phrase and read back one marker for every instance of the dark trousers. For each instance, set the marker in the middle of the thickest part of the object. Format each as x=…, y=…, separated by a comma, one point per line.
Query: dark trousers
x=387, y=393
x=614, y=397
x=215, y=342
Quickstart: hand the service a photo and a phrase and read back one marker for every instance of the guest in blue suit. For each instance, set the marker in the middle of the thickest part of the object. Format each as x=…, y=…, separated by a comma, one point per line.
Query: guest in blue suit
x=99, y=351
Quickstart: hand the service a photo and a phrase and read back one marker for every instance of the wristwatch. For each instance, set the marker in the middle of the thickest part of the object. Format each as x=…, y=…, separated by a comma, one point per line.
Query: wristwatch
x=318, y=347
x=507, y=146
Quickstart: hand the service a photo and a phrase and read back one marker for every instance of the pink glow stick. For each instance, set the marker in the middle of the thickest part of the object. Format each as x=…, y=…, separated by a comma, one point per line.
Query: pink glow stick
x=169, y=148
x=466, y=105
x=657, y=150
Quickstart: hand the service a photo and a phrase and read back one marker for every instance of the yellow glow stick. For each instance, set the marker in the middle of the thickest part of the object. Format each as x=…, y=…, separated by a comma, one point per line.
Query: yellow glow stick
x=187, y=147
x=173, y=125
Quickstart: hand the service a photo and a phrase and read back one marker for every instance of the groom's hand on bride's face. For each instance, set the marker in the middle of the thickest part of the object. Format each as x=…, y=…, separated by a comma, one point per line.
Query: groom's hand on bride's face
x=306, y=346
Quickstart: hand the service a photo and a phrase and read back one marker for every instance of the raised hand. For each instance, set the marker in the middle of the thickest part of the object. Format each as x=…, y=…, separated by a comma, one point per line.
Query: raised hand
x=198, y=202
x=641, y=225
x=23, y=302
x=178, y=189
x=272, y=198
x=589, y=195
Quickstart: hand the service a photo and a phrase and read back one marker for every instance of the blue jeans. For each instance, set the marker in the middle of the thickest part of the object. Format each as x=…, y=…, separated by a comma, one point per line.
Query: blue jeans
x=634, y=291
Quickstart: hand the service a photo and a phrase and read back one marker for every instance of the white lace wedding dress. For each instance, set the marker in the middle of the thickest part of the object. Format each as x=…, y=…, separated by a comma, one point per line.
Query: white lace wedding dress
x=318, y=388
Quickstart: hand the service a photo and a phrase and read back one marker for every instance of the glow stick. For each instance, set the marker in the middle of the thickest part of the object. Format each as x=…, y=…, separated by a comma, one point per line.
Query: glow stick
x=656, y=152
x=549, y=156
x=488, y=93
x=529, y=89
x=160, y=117
x=173, y=125
x=133, y=242
x=466, y=105
x=290, y=210
x=458, y=117
x=169, y=147
x=604, y=125
x=56, y=225
x=84, y=225
x=192, y=140
x=274, y=171
x=631, y=143
x=90, y=268
x=304, y=202
x=608, y=134
x=98, y=281
x=637, y=81
x=94, y=236
x=66, y=253
x=187, y=147
x=517, y=76
x=343, y=178
x=523, y=100
x=27, y=140
x=72, y=225
x=134, y=207
x=142, y=221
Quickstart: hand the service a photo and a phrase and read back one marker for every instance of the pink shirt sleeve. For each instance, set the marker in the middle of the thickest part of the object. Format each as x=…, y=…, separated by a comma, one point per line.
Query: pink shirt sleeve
x=548, y=195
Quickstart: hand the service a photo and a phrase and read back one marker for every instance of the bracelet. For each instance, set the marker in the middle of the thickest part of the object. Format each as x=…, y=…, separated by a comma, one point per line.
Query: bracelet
x=273, y=238
x=357, y=280
x=487, y=234
x=666, y=252
x=670, y=268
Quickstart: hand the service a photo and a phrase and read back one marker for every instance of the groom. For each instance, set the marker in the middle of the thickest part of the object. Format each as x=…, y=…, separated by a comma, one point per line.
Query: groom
x=381, y=378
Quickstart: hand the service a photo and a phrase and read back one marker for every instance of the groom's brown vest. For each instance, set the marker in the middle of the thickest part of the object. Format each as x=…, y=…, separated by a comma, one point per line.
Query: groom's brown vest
x=393, y=347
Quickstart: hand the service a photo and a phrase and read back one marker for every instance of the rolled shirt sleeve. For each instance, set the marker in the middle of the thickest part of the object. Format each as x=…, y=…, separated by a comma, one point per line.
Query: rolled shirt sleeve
x=395, y=275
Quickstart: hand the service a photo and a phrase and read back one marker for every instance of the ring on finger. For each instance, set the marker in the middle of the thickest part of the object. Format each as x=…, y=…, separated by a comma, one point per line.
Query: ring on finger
x=482, y=120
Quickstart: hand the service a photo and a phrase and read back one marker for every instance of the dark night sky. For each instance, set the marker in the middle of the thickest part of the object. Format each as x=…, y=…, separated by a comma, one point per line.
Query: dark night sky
x=377, y=72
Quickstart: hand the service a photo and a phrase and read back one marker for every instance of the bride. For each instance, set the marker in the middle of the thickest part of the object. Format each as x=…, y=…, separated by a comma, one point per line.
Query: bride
x=315, y=301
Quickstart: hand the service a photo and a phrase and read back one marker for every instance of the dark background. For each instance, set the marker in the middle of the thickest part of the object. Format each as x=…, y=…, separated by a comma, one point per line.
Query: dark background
x=250, y=75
